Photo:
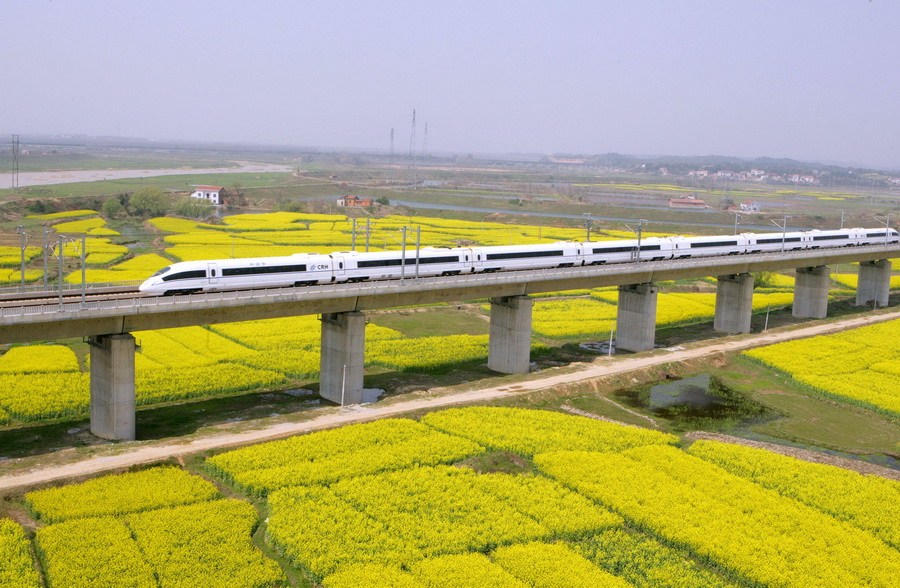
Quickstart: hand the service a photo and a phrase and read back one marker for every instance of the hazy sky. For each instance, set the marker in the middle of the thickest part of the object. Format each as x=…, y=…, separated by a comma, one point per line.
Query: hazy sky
x=809, y=80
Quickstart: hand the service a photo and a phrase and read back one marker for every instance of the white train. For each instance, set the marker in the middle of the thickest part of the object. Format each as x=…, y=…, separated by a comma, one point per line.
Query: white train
x=306, y=269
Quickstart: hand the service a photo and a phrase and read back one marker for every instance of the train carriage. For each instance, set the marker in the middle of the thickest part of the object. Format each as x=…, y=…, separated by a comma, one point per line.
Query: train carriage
x=521, y=257
x=765, y=242
x=304, y=269
x=719, y=245
x=389, y=265
x=232, y=274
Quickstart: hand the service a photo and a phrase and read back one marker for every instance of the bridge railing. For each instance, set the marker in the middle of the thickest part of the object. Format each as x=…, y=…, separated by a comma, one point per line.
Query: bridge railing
x=349, y=290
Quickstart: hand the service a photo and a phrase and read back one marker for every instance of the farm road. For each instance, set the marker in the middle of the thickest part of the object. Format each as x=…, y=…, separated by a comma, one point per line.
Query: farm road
x=333, y=417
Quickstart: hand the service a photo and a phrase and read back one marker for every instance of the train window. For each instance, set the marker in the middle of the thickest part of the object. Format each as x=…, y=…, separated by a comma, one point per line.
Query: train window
x=255, y=270
x=185, y=275
x=467, y=258
x=714, y=244
x=161, y=272
x=479, y=257
x=409, y=261
x=524, y=254
x=341, y=265
x=615, y=249
x=213, y=272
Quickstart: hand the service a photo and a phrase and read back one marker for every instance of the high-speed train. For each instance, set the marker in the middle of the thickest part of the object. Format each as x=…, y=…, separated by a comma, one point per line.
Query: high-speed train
x=307, y=269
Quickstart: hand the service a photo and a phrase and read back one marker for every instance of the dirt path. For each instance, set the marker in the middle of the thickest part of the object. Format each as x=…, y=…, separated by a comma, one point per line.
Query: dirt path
x=333, y=417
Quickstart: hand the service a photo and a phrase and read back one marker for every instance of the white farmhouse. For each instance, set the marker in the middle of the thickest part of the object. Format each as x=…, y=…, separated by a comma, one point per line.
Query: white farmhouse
x=212, y=194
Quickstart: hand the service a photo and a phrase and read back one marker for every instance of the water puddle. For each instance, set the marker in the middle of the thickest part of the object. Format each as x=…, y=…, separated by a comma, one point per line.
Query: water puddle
x=699, y=402
x=694, y=392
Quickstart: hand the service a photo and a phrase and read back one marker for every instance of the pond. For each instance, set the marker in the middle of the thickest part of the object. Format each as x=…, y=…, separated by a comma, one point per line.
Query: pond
x=699, y=402
x=693, y=391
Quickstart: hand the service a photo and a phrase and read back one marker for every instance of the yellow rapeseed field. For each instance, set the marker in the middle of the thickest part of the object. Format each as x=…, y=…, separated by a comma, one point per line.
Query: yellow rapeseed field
x=536, y=431
x=869, y=502
x=753, y=532
x=328, y=456
x=16, y=567
x=120, y=494
x=860, y=365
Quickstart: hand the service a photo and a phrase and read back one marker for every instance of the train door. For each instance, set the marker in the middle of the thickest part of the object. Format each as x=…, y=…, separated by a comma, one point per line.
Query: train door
x=338, y=268
x=478, y=259
x=212, y=272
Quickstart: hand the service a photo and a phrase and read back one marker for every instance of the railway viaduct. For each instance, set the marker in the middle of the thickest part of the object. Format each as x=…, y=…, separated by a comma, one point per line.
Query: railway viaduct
x=107, y=325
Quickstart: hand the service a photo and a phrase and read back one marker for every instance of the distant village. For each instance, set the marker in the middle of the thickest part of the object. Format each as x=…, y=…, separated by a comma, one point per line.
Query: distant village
x=828, y=176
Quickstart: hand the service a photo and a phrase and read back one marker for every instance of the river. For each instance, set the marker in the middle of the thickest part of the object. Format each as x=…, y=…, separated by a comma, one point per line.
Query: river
x=47, y=178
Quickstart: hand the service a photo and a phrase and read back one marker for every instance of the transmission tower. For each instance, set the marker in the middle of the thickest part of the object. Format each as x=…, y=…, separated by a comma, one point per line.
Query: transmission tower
x=15, y=162
x=391, y=156
x=412, y=150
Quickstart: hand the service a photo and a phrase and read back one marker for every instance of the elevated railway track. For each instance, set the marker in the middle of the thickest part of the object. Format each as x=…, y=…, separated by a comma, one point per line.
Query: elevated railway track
x=108, y=321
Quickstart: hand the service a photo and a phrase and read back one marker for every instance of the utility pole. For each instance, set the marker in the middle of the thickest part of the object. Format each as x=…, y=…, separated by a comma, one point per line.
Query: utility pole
x=23, y=241
x=391, y=156
x=403, y=255
x=737, y=214
x=412, y=150
x=353, y=234
x=343, y=385
x=15, y=161
x=418, y=242
x=783, y=227
x=368, y=231
x=45, y=250
x=425, y=142
x=636, y=255
x=83, y=266
x=588, y=221
x=640, y=233
x=887, y=226
x=62, y=241
x=842, y=219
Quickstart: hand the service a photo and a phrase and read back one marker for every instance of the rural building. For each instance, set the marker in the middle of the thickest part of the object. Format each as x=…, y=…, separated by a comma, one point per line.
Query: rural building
x=351, y=200
x=750, y=207
x=686, y=203
x=212, y=194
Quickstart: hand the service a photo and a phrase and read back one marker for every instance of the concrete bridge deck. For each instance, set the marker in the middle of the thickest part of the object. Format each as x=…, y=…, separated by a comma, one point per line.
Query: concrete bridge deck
x=74, y=319
x=108, y=325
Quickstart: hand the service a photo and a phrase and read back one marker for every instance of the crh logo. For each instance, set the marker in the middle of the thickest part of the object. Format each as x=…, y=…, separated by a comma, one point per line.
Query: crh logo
x=319, y=266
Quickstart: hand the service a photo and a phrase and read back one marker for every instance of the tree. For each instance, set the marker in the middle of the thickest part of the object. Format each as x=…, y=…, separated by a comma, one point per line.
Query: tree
x=763, y=279
x=149, y=201
x=193, y=208
x=234, y=196
x=112, y=208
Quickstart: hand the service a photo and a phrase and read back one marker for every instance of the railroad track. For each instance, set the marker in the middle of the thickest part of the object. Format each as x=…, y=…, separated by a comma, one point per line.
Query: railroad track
x=48, y=297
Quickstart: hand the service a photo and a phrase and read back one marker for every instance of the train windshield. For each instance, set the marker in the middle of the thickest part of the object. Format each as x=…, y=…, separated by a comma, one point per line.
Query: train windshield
x=161, y=272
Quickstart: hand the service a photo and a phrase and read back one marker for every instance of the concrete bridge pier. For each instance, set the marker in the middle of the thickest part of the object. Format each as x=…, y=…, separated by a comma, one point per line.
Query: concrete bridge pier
x=112, y=386
x=636, y=317
x=734, y=303
x=874, y=282
x=811, y=292
x=343, y=357
x=509, y=346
